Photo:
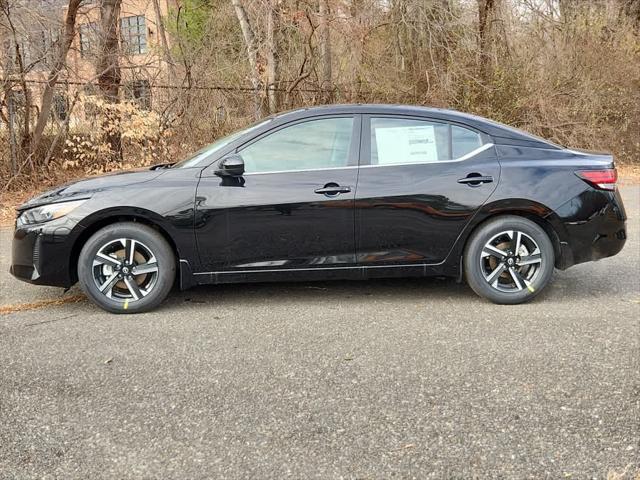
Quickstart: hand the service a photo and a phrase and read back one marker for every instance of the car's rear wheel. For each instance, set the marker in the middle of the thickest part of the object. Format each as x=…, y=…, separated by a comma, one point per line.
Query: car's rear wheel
x=126, y=267
x=509, y=260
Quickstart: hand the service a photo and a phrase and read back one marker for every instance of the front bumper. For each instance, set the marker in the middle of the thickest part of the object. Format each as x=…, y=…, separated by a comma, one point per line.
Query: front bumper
x=595, y=227
x=41, y=254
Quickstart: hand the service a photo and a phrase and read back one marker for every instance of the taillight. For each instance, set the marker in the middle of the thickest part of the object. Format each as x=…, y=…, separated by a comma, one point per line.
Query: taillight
x=602, y=179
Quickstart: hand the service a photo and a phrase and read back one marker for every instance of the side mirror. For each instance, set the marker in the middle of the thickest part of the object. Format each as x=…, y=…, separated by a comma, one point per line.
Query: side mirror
x=231, y=166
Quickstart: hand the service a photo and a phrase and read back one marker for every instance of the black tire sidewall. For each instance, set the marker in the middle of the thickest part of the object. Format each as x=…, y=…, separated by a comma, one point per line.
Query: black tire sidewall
x=152, y=239
x=476, y=243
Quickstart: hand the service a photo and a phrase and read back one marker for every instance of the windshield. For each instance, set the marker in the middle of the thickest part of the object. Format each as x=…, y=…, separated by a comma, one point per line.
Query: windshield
x=217, y=145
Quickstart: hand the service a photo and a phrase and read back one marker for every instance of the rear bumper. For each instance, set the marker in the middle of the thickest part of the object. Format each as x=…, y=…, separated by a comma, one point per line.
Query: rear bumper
x=594, y=225
x=41, y=254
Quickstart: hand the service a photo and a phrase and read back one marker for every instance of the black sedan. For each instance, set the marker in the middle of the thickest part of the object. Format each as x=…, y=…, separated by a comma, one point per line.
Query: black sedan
x=335, y=192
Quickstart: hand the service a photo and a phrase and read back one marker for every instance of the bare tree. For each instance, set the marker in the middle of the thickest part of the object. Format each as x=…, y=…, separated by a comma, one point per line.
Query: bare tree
x=630, y=9
x=58, y=66
x=166, y=52
x=325, y=51
x=108, y=63
x=272, y=55
x=492, y=35
x=16, y=51
x=251, y=46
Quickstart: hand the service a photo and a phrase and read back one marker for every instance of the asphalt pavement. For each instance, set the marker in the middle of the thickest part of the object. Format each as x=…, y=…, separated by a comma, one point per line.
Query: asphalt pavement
x=363, y=380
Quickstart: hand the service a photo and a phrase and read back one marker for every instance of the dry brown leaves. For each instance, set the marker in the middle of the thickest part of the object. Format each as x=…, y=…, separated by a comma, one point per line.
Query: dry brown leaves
x=21, y=307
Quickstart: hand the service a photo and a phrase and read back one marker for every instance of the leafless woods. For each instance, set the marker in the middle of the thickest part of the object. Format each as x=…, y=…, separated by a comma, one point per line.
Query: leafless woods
x=89, y=86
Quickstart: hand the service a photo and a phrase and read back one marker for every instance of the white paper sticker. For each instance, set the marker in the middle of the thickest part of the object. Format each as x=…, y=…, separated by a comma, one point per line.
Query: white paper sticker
x=406, y=144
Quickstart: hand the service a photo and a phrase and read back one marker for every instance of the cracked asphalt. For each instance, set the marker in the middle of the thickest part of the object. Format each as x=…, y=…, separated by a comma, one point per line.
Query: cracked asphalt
x=381, y=379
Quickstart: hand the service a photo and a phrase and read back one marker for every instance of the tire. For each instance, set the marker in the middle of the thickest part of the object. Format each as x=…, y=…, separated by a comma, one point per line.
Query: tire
x=509, y=277
x=127, y=286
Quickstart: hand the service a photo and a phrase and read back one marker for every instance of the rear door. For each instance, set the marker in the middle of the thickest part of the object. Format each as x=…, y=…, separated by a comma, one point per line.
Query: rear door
x=420, y=183
x=294, y=206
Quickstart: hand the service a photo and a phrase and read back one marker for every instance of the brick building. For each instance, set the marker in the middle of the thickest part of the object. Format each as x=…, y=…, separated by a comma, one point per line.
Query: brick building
x=143, y=50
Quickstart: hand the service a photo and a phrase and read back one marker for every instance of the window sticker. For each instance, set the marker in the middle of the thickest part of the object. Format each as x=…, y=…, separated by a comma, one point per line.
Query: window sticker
x=406, y=144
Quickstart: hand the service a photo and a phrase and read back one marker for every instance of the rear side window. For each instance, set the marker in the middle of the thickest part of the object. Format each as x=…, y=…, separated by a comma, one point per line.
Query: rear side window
x=311, y=145
x=463, y=141
x=404, y=140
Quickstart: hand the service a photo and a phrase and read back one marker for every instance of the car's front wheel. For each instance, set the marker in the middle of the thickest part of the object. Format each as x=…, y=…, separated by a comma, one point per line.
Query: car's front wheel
x=509, y=260
x=126, y=267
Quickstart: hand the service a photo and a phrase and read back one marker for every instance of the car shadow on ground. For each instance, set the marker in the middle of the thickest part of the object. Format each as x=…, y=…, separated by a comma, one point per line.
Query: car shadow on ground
x=565, y=287
x=568, y=286
x=399, y=291
x=407, y=288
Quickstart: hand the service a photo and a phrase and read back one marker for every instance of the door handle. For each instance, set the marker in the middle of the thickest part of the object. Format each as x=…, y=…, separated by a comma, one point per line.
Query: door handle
x=475, y=179
x=332, y=189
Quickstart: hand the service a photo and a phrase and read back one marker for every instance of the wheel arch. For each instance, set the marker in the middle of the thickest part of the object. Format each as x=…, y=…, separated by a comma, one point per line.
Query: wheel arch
x=536, y=212
x=104, y=218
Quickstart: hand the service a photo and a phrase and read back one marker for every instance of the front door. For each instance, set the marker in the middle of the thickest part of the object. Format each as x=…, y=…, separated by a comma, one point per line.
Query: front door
x=420, y=183
x=294, y=206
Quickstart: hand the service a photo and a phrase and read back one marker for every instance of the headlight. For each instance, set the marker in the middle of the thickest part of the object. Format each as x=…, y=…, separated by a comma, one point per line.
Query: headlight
x=45, y=213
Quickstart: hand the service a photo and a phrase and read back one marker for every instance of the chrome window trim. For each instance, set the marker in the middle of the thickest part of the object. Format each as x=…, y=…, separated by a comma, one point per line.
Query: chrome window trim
x=467, y=156
x=301, y=170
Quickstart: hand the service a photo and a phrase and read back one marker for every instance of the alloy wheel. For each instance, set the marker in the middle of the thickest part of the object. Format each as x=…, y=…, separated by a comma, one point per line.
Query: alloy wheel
x=125, y=270
x=511, y=261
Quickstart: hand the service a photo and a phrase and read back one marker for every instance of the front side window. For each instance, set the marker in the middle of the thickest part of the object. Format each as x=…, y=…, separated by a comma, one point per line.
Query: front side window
x=404, y=140
x=315, y=144
x=133, y=32
x=219, y=144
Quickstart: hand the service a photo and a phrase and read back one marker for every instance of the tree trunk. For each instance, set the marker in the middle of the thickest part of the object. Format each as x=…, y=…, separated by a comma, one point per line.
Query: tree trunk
x=485, y=11
x=13, y=144
x=492, y=33
x=631, y=8
x=326, y=82
x=567, y=9
x=59, y=64
x=108, y=66
x=443, y=16
x=356, y=50
x=163, y=41
x=252, y=52
x=26, y=120
x=272, y=56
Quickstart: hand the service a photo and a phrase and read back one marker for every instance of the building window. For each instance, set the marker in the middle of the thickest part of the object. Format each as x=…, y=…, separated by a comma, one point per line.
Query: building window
x=133, y=33
x=60, y=107
x=87, y=39
x=139, y=91
x=39, y=49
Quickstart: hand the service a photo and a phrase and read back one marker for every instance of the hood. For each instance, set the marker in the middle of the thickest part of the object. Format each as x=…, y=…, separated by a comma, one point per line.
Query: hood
x=88, y=186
